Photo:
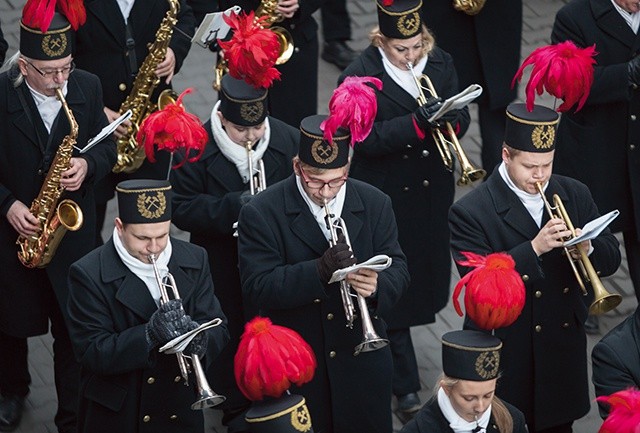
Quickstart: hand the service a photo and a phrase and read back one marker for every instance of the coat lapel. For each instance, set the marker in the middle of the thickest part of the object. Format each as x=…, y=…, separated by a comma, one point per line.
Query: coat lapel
x=303, y=224
x=610, y=22
x=353, y=214
x=21, y=120
x=509, y=206
x=109, y=14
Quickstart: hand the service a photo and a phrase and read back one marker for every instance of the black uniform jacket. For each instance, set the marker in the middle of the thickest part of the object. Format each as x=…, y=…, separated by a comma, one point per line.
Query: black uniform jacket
x=124, y=387
x=616, y=359
x=411, y=172
x=544, y=353
x=485, y=47
x=279, y=244
x=599, y=144
x=206, y=204
x=4, y=46
x=26, y=152
x=431, y=420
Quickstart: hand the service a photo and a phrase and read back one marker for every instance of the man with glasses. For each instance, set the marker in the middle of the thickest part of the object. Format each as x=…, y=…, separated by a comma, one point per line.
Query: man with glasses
x=286, y=262
x=32, y=127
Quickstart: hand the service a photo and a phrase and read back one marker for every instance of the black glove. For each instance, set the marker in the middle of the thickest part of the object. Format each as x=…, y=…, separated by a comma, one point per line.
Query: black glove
x=166, y=323
x=198, y=345
x=245, y=197
x=450, y=116
x=425, y=111
x=337, y=257
x=633, y=68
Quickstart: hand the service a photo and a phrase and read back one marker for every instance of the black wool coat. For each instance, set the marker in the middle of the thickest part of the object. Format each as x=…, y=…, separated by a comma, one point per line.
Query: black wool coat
x=544, y=353
x=26, y=152
x=126, y=387
x=430, y=419
x=616, y=359
x=485, y=47
x=279, y=245
x=598, y=145
x=4, y=46
x=206, y=203
x=411, y=172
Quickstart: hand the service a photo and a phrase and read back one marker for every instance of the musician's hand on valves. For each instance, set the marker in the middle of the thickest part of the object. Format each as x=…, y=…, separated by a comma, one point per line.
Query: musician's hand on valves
x=73, y=177
x=288, y=8
x=551, y=236
x=364, y=282
x=584, y=246
x=21, y=219
x=336, y=257
x=426, y=111
x=166, y=68
x=198, y=345
x=168, y=322
x=121, y=130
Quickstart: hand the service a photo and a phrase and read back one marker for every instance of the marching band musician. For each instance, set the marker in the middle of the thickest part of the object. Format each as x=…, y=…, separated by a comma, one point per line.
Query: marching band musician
x=117, y=320
x=33, y=126
x=286, y=263
x=544, y=354
x=208, y=197
x=400, y=158
x=113, y=44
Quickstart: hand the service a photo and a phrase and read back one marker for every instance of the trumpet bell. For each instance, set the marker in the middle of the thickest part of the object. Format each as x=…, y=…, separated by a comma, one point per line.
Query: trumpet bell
x=605, y=303
x=286, y=44
x=206, y=396
x=471, y=176
x=370, y=343
x=208, y=399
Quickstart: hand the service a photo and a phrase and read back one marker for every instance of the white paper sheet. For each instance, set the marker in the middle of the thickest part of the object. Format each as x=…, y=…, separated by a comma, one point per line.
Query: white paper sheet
x=376, y=263
x=593, y=228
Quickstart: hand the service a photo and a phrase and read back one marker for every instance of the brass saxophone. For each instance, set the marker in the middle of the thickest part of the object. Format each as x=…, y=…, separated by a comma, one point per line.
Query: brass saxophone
x=55, y=217
x=130, y=155
x=469, y=7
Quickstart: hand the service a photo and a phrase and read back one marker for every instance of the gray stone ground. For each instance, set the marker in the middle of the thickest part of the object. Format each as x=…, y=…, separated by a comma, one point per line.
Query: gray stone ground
x=538, y=18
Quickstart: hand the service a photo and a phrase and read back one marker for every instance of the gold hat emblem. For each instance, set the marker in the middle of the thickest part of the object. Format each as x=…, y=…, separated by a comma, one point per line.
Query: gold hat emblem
x=251, y=112
x=301, y=419
x=487, y=364
x=54, y=45
x=152, y=206
x=409, y=24
x=323, y=152
x=543, y=136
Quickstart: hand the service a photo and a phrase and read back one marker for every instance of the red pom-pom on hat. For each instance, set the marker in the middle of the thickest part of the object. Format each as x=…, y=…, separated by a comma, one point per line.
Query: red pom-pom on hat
x=172, y=129
x=495, y=293
x=270, y=358
x=624, y=412
x=39, y=13
x=563, y=70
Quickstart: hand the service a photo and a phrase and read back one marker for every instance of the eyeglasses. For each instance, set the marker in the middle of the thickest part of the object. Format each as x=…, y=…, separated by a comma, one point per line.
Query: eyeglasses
x=48, y=73
x=318, y=184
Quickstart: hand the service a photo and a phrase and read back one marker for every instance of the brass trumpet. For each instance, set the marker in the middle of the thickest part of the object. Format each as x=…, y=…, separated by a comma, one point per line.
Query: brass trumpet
x=468, y=173
x=371, y=340
x=257, y=182
x=206, y=397
x=603, y=300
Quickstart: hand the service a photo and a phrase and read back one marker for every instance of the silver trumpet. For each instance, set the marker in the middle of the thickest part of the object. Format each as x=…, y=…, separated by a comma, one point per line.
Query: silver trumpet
x=370, y=340
x=206, y=397
x=258, y=181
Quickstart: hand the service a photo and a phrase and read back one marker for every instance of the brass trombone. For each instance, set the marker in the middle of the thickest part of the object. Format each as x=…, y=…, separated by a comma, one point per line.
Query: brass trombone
x=371, y=340
x=206, y=397
x=468, y=173
x=603, y=300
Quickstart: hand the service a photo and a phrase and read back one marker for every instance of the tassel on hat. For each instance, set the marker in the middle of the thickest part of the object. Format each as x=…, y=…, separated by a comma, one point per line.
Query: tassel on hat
x=495, y=293
x=563, y=70
x=171, y=129
x=624, y=413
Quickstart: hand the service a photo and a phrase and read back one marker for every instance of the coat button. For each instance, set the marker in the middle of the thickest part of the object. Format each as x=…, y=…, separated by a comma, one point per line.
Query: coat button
x=151, y=380
x=565, y=290
x=634, y=86
x=332, y=354
x=40, y=172
x=330, y=316
x=173, y=417
x=538, y=293
x=565, y=325
x=177, y=379
x=632, y=146
x=425, y=183
x=538, y=328
x=405, y=188
x=146, y=418
x=409, y=146
x=122, y=87
x=316, y=301
x=633, y=117
x=425, y=153
x=292, y=26
x=296, y=50
x=525, y=278
x=405, y=156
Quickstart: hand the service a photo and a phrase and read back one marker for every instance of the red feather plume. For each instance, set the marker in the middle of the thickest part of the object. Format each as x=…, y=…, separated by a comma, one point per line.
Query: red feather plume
x=39, y=13
x=624, y=413
x=495, y=293
x=563, y=70
x=252, y=51
x=270, y=358
x=353, y=105
x=171, y=129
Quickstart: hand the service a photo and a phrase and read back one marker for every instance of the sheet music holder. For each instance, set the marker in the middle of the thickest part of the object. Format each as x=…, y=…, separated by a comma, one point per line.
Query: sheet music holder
x=593, y=228
x=106, y=131
x=458, y=101
x=213, y=27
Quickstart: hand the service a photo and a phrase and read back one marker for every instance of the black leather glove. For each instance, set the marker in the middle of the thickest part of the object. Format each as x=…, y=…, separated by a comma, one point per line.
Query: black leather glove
x=245, y=197
x=166, y=323
x=633, y=68
x=337, y=257
x=198, y=345
x=425, y=111
x=450, y=116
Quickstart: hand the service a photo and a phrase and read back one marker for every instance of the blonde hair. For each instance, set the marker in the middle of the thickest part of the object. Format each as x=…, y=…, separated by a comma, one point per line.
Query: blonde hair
x=378, y=39
x=500, y=413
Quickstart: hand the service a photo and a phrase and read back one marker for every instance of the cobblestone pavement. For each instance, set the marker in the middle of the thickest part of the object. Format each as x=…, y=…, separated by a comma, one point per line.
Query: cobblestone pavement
x=196, y=72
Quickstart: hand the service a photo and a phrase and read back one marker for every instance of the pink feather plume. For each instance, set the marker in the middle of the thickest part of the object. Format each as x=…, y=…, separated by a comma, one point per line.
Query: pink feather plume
x=39, y=13
x=563, y=70
x=624, y=412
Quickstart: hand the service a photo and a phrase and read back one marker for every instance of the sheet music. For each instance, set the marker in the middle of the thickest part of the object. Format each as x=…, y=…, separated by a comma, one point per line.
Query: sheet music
x=213, y=27
x=458, y=101
x=181, y=342
x=106, y=131
x=376, y=263
x=593, y=228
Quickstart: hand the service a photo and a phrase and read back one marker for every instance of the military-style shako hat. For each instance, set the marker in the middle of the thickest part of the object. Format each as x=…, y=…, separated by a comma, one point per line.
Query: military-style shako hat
x=287, y=414
x=317, y=151
x=142, y=201
x=242, y=103
x=531, y=131
x=471, y=355
x=399, y=19
x=54, y=43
